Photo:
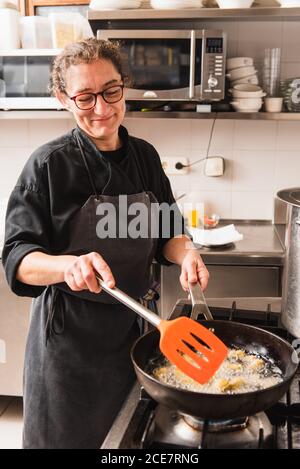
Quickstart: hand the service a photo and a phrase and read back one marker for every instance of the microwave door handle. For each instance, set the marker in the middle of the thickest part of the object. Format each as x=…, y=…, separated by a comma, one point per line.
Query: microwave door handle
x=192, y=65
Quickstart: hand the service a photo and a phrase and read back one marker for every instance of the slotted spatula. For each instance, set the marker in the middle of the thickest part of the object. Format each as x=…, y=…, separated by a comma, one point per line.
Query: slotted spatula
x=178, y=338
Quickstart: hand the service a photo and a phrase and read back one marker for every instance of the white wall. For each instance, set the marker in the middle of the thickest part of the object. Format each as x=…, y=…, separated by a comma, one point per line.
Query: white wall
x=261, y=157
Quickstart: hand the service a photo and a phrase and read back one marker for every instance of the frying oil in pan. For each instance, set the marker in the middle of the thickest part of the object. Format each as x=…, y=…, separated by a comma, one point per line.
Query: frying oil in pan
x=241, y=372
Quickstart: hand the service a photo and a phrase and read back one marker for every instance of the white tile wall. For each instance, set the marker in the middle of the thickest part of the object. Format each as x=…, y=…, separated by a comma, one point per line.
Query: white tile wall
x=261, y=157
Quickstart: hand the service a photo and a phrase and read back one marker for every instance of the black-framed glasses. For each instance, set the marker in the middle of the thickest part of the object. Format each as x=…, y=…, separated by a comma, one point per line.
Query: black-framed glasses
x=86, y=101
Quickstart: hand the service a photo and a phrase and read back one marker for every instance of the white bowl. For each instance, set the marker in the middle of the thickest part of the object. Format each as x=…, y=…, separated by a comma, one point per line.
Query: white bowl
x=99, y=5
x=175, y=4
x=289, y=3
x=273, y=104
x=238, y=108
x=253, y=80
x=245, y=90
x=241, y=72
x=235, y=3
x=238, y=62
x=247, y=104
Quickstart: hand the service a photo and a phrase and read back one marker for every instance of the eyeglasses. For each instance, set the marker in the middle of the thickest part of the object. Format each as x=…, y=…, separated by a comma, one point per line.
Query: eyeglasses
x=86, y=101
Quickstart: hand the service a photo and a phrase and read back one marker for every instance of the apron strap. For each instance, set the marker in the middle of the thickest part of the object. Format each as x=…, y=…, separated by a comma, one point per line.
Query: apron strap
x=139, y=169
x=86, y=166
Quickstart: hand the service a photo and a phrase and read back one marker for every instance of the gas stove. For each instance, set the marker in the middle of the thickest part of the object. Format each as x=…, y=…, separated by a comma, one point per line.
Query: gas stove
x=144, y=424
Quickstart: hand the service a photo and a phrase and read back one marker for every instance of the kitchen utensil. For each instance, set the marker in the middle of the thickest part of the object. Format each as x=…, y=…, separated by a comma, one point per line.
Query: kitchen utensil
x=241, y=72
x=238, y=62
x=290, y=90
x=246, y=90
x=289, y=3
x=273, y=104
x=253, y=80
x=219, y=406
x=247, y=104
x=175, y=4
x=235, y=3
x=179, y=337
x=271, y=71
x=291, y=273
x=9, y=27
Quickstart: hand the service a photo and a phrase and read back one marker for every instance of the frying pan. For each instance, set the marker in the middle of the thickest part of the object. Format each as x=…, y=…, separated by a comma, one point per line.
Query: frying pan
x=219, y=406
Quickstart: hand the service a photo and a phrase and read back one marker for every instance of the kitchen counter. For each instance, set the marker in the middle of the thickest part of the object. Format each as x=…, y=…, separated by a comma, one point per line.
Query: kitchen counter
x=263, y=244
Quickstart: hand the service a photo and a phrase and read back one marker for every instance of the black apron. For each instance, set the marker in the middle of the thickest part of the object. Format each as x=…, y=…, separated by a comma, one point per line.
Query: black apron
x=78, y=369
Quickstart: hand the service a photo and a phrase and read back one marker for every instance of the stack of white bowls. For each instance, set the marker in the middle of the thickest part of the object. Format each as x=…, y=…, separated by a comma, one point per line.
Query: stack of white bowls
x=247, y=97
x=241, y=70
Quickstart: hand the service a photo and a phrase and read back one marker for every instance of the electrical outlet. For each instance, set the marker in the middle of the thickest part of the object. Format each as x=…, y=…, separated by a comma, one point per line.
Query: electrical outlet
x=169, y=165
x=214, y=166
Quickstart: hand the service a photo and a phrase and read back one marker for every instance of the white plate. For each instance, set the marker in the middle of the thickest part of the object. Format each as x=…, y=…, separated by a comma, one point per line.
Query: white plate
x=216, y=236
x=175, y=4
x=98, y=5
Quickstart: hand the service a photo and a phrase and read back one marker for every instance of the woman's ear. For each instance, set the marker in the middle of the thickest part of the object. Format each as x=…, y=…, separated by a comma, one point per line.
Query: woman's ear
x=63, y=99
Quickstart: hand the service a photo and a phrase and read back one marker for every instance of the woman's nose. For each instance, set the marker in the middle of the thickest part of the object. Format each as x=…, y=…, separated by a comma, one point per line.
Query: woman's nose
x=101, y=105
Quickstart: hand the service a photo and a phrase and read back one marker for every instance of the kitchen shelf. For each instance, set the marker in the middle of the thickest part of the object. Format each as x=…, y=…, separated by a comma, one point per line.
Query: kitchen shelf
x=201, y=13
x=52, y=114
x=292, y=116
x=28, y=52
x=36, y=114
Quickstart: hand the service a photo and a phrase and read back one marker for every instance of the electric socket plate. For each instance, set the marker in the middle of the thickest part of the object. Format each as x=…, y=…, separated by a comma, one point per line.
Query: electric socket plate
x=169, y=165
x=214, y=166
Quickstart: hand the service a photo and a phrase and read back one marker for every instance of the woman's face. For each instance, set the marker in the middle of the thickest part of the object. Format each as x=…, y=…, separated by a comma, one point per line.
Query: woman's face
x=102, y=122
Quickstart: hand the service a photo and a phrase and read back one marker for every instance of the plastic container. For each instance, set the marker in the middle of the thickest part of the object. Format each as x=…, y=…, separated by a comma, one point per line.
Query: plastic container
x=36, y=32
x=67, y=28
x=9, y=27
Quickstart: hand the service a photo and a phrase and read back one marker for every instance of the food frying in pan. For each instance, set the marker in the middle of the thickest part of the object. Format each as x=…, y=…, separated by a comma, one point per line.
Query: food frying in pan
x=240, y=372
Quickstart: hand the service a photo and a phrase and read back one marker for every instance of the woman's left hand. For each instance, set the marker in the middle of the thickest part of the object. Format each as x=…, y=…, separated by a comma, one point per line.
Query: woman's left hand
x=193, y=270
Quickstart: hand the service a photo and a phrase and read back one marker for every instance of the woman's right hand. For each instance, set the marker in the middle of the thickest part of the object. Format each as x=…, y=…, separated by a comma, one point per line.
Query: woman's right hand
x=80, y=273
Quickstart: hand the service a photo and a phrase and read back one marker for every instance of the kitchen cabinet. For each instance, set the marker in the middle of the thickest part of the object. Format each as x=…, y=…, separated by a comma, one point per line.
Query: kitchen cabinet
x=226, y=281
x=251, y=267
x=32, y=4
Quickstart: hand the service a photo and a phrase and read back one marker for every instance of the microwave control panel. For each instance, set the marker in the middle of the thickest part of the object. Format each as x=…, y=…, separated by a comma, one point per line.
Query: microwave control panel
x=213, y=83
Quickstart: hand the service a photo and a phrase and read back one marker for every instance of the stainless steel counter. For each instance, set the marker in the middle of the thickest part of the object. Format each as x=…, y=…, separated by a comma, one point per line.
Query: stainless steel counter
x=263, y=244
x=249, y=268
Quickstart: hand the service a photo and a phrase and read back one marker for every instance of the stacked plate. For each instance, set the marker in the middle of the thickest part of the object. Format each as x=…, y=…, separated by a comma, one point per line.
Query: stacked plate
x=247, y=97
x=98, y=5
x=289, y=3
x=290, y=90
x=235, y=3
x=175, y=4
x=241, y=70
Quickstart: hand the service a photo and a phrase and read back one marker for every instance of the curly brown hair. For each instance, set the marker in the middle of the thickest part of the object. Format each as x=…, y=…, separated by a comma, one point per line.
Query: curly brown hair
x=85, y=51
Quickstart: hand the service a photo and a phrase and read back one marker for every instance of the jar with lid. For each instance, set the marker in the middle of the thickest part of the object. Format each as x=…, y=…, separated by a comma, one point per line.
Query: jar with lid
x=9, y=26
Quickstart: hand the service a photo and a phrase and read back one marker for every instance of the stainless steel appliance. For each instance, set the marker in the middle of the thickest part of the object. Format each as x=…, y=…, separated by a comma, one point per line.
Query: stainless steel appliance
x=173, y=65
x=24, y=78
x=291, y=271
x=142, y=423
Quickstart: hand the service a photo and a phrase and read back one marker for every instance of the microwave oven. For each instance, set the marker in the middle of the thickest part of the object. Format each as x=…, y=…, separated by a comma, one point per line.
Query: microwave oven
x=24, y=79
x=172, y=65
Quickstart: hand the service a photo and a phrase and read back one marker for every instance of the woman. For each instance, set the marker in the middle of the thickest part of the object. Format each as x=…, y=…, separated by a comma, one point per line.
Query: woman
x=77, y=366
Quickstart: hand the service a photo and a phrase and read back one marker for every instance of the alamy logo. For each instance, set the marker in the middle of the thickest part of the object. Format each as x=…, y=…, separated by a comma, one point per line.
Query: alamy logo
x=140, y=220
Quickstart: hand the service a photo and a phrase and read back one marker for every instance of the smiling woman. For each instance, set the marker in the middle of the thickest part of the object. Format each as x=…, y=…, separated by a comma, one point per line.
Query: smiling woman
x=77, y=364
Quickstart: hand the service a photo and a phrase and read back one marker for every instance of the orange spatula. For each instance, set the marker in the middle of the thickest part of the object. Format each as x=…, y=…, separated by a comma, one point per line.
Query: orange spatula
x=178, y=339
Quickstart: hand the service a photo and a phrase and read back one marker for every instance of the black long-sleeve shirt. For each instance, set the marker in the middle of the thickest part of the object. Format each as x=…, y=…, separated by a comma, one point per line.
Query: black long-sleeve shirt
x=54, y=184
